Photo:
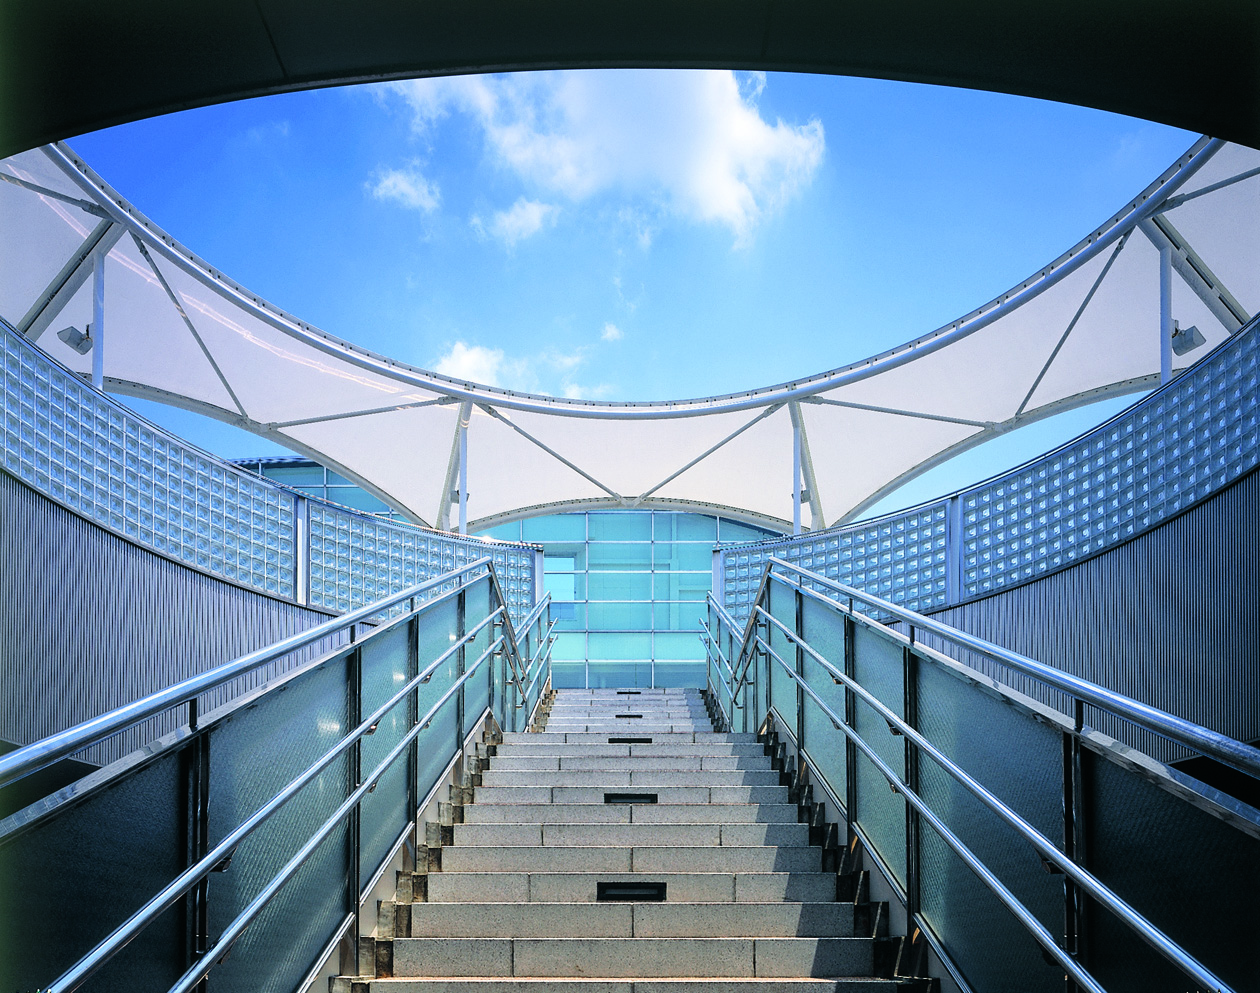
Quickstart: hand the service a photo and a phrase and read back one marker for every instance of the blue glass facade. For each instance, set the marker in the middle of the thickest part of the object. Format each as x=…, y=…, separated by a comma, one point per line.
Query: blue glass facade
x=628, y=590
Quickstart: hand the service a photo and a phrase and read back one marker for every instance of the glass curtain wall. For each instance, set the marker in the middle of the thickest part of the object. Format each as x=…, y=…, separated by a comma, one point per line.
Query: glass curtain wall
x=628, y=589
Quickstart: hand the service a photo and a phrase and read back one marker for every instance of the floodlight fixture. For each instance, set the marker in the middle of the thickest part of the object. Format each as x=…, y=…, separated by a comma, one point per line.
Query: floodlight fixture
x=1186, y=339
x=76, y=339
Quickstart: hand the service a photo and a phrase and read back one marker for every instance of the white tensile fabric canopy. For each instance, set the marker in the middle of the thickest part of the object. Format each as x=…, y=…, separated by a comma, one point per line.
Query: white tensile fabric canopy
x=1084, y=328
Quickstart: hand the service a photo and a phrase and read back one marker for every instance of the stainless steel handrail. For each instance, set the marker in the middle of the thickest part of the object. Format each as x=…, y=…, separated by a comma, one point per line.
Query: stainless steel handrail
x=233, y=931
x=532, y=616
x=40, y=754
x=999, y=889
x=1233, y=753
x=739, y=631
x=1147, y=931
x=121, y=936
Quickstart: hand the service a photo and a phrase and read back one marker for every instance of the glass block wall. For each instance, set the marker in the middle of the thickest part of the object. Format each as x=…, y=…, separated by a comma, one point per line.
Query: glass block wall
x=901, y=558
x=356, y=559
x=102, y=460
x=313, y=480
x=1168, y=451
x=628, y=588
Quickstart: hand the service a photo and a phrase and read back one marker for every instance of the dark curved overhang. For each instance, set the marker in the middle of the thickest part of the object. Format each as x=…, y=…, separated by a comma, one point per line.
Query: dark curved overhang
x=71, y=66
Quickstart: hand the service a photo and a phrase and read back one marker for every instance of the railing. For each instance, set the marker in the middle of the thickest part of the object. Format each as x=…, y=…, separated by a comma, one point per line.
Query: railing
x=100, y=459
x=257, y=829
x=1008, y=826
x=1153, y=460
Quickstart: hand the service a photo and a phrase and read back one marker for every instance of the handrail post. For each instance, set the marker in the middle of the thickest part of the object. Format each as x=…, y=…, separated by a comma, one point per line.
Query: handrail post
x=799, y=604
x=355, y=706
x=850, y=720
x=197, y=901
x=460, y=630
x=413, y=717
x=910, y=714
x=1074, y=904
x=498, y=628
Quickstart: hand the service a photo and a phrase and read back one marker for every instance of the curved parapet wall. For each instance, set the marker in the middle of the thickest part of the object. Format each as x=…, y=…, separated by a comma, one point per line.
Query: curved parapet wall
x=101, y=460
x=1169, y=451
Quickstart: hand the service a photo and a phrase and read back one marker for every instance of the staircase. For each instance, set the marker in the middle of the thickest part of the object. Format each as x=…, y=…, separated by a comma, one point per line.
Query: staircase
x=628, y=848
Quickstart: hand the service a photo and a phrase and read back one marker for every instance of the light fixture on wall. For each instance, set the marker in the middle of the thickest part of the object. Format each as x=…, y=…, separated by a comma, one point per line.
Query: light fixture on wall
x=76, y=339
x=1186, y=339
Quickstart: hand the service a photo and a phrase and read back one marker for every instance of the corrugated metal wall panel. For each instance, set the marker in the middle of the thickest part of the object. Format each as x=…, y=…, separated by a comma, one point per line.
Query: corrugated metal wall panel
x=90, y=621
x=1168, y=618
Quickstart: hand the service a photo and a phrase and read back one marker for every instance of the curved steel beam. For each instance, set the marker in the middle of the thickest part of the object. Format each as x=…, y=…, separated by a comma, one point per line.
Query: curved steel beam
x=1143, y=206
x=651, y=503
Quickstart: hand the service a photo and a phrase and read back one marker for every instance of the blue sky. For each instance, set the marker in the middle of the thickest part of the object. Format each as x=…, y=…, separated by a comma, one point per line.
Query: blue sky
x=635, y=234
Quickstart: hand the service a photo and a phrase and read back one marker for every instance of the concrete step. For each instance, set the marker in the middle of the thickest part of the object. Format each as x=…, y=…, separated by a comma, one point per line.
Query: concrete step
x=724, y=985
x=633, y=957
x=598, y=737
x=632, y=920
x=648, y=777
x=631, y=707
x=586, y=763
x=582, y=887
x=640, y=858
x=629, y=813
x=632, y=835
x=634, y=727
x=683, y=707
x=544, y=745
x=664, y=794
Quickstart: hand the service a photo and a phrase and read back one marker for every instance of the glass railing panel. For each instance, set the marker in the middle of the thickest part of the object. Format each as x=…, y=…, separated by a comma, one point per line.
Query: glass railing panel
x=386, y=664
x=1186, y=868
x=1021, y=761
x=253, y=754
x=879, y=666
x=438, y=632
x=126, y=842
x=824, y=743
x=478, y=603
x=782, y=606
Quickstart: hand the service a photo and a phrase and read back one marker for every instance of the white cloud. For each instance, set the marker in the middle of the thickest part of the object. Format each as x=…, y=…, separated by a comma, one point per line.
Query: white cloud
x=472, y=362
x=692, y=142
x=522, y=220
x=612, y=333
x=546, y=372
x=408, y=188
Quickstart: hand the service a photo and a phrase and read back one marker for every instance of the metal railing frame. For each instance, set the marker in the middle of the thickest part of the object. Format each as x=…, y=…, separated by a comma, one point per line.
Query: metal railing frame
x=503, y=643
x=754, y=644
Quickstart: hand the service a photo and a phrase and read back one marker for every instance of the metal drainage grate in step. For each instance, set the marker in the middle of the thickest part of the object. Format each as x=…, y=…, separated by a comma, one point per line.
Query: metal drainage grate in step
x=629, y=693
x=625, y=716
x=629, y=741
x=630, y=891
x=630, y=798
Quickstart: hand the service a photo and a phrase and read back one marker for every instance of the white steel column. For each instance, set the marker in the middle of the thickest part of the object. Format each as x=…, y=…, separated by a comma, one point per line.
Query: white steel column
x=796, y=476
x=1165, y=314
x=98, y=321
x=463, y=471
